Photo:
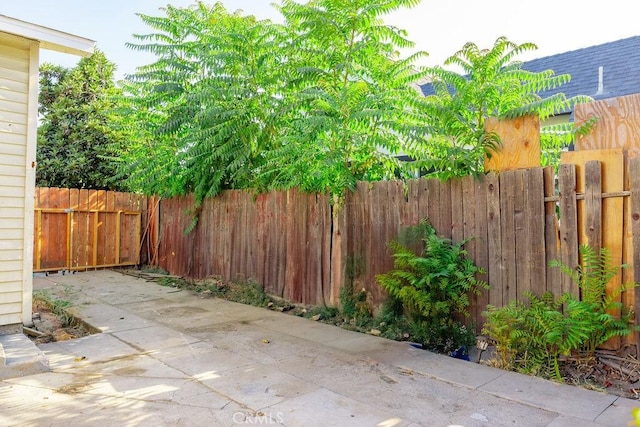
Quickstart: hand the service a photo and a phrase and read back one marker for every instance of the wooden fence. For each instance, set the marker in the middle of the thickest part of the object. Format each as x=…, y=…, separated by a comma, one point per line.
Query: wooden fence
x=302, y=248
x=82, y=229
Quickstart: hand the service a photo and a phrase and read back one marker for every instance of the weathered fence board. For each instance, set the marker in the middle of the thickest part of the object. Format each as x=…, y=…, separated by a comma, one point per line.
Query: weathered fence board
x=634, y=210
x=568, y=224
x=495, y=267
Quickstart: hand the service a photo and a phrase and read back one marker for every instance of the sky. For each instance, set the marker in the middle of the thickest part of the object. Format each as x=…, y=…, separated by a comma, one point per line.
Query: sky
x=438, y=27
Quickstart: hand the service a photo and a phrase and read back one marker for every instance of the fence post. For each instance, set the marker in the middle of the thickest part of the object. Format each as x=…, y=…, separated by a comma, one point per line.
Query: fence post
x=568, y=224
x=593, y=204
x=634, y=187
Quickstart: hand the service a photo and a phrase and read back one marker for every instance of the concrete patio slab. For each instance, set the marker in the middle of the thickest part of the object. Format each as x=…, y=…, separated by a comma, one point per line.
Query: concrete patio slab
x=565, y=399
x=19, y=356
x=169, y=357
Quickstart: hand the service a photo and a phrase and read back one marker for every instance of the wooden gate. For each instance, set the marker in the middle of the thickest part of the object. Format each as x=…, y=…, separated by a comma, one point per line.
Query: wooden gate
x=84, y=229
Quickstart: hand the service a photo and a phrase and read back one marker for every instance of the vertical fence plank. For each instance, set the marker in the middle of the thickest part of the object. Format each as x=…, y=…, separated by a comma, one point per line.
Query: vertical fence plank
x=535, y=218
x=412, y=213
x=74, y=196
x=522, y=237
x=326, y=231
x=340, y=237
x=457, y=210
x=634, y=202
x=482, y=247
x=445, y=209
x=494, y=241
x=43, y=201
x=422, y=199
x=629, y=295
x=568, y=224
x=375, y=238
x=358, y=262
x=593, y=204
x=433, y=192
x=469, y=233
x=508, y=189
x=551, y=233
x=261, y=239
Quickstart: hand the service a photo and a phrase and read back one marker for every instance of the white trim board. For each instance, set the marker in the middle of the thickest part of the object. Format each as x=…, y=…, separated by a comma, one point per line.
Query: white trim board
x=49, y=38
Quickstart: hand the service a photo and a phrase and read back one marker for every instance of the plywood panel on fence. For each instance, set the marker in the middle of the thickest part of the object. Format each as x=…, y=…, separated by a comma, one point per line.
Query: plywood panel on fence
x=617, y=126
x=520, y=143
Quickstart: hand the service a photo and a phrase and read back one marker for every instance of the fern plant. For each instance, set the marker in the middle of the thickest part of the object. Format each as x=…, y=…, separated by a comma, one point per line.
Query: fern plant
x=492, y=84
x=534, y=337
x=531, y=338
x=434, y=287
x=594, y=306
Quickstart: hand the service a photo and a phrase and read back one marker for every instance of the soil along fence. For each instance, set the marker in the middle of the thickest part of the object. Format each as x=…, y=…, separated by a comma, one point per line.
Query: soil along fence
x=82, y=229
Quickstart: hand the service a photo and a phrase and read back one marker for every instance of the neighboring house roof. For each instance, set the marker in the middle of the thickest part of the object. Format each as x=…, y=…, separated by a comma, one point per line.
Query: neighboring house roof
x=49, y=38
x=620, y=62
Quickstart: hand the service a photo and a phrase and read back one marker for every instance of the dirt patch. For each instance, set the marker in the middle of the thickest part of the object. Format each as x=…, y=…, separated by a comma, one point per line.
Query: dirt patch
x=611, y=372
x=51, y=327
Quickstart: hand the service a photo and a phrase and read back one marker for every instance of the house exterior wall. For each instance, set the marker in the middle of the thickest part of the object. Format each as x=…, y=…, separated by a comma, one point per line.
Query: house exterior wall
x=18, y=127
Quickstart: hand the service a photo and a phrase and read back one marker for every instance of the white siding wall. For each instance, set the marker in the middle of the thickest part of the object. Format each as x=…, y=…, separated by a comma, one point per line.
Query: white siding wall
x=15, y=133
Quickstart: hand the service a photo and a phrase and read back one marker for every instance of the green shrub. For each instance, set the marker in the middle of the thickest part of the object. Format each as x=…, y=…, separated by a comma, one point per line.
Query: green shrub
x=594, y=307
x=355, y=305
x=532, y=338
x=433, y=286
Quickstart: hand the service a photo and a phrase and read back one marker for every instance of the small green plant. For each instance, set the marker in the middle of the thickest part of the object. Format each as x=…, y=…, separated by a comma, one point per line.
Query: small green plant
x=245, y=291
x=391, y=320
x=595, y=307
x=531, y=338
x=59, y=308
x=355, y=305
x=433, y=286
x=534, y=337
x=323, y=312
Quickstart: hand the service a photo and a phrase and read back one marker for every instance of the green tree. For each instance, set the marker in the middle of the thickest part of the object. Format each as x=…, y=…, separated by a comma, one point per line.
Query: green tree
x=357, y=109
x=492, y=84
x=211, y=102
x=77, y=147
x=319, y=102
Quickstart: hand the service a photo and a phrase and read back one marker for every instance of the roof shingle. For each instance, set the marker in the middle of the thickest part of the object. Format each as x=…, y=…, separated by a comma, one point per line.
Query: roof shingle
x=621, y=69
